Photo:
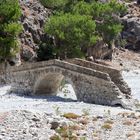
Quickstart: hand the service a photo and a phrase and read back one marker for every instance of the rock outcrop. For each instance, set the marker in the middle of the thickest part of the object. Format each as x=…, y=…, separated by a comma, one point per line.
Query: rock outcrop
x=131, y=22
x=34, y=15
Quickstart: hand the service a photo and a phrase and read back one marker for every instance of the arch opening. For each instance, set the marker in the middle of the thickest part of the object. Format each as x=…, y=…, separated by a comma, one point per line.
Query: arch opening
x=67, y=89
x=54, y=84
x=118, y=105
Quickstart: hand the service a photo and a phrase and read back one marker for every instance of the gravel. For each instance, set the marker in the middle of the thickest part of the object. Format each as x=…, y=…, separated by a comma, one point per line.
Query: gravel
x=38, y=118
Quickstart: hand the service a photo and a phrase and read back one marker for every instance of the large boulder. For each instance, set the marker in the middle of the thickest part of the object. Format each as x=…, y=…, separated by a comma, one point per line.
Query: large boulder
x=138, y=1
x=132, y=26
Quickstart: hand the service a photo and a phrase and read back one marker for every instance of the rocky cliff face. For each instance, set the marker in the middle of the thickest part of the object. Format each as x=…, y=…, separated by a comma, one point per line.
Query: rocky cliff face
x=34, y=15
x=131, y=22
x=33, y=18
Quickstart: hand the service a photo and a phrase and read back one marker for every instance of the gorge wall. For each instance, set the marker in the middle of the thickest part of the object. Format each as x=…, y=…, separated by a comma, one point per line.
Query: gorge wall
x=34, y=15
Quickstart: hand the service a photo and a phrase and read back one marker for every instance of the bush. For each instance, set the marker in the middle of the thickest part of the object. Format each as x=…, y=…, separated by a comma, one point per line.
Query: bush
x=80, y=23
x=105, y=16
x=71, y=33
x=106, y=126
x=45, y=51
x=54, y=4
x=9, y=28
x=71, y=116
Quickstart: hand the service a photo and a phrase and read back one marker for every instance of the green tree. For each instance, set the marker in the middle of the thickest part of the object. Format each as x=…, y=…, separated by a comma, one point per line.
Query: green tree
x=54, y=4
x=105, y=15
x=46, y=51
x=71, y=33
x=9, y=28
x=80, y=23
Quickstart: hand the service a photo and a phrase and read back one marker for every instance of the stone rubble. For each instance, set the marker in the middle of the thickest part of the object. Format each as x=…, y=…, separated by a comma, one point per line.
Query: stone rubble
x=23, y=124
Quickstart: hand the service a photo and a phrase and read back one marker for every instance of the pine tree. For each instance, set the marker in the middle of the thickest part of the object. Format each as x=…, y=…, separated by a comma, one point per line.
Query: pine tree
x=78, y=24
x=10, y=13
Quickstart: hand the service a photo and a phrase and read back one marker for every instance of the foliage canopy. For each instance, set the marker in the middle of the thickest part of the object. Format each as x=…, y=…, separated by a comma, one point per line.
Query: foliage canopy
x=72, y=32
x=78, y=24
x=9, y=28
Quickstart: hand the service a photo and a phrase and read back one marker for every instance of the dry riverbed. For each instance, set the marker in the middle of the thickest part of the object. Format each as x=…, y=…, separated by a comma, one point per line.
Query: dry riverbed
x=64, y=118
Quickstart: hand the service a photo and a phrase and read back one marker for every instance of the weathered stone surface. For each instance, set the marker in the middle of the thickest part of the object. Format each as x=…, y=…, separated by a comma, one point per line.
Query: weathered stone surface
x=114, y=74
x=34, y=15
x=91, y=83
x=100, y=51
x=131, y=23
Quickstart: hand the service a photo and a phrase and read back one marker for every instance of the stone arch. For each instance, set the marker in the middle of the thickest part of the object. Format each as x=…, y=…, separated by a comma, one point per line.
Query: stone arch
x=49, y=83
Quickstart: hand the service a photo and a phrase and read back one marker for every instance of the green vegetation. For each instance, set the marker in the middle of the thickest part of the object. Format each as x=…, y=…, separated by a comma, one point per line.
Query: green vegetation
x=107, y=126
x=54, y=4
x=46, y=51
x=71, y=116
x=72, y=33
x=74, y=26
x=79, y=24
x=9, y=28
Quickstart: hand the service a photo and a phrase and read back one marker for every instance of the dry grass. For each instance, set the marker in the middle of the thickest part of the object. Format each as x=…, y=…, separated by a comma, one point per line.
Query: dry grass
x=71, y=116
x=109, y=122
x=106, y=126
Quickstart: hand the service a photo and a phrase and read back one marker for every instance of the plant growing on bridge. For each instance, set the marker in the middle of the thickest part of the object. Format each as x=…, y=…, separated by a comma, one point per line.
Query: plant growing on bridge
x=9, y=28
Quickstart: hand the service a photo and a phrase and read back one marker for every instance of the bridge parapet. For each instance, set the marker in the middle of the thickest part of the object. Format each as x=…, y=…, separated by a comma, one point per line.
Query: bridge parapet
x=115, y=74
x=62, y=64
x=92, y=83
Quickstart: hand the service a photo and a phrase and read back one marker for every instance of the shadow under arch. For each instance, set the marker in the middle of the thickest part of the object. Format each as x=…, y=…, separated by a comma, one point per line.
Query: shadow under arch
x=52, y=83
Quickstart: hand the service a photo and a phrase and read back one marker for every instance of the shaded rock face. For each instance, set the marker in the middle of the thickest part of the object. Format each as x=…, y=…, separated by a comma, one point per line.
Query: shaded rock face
x=100, y=51
x=131, y=31
x=138, y=1
x=33, y=18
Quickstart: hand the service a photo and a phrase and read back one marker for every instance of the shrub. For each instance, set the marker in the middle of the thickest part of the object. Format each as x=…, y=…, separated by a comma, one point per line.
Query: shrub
x=107, y=126
x=54, y=4
x=71, y=116
x=109, y=122
x=45, y=51
x=71, y=33
x=55, y=137
x=78, y=24
x=9, y=28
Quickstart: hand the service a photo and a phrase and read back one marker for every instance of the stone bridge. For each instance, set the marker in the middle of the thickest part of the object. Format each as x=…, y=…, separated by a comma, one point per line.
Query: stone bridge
x=92, y=83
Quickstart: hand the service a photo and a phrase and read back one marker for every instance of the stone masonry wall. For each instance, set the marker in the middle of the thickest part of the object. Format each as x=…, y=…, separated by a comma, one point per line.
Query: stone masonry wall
x=90, y=85
x=114, y=74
